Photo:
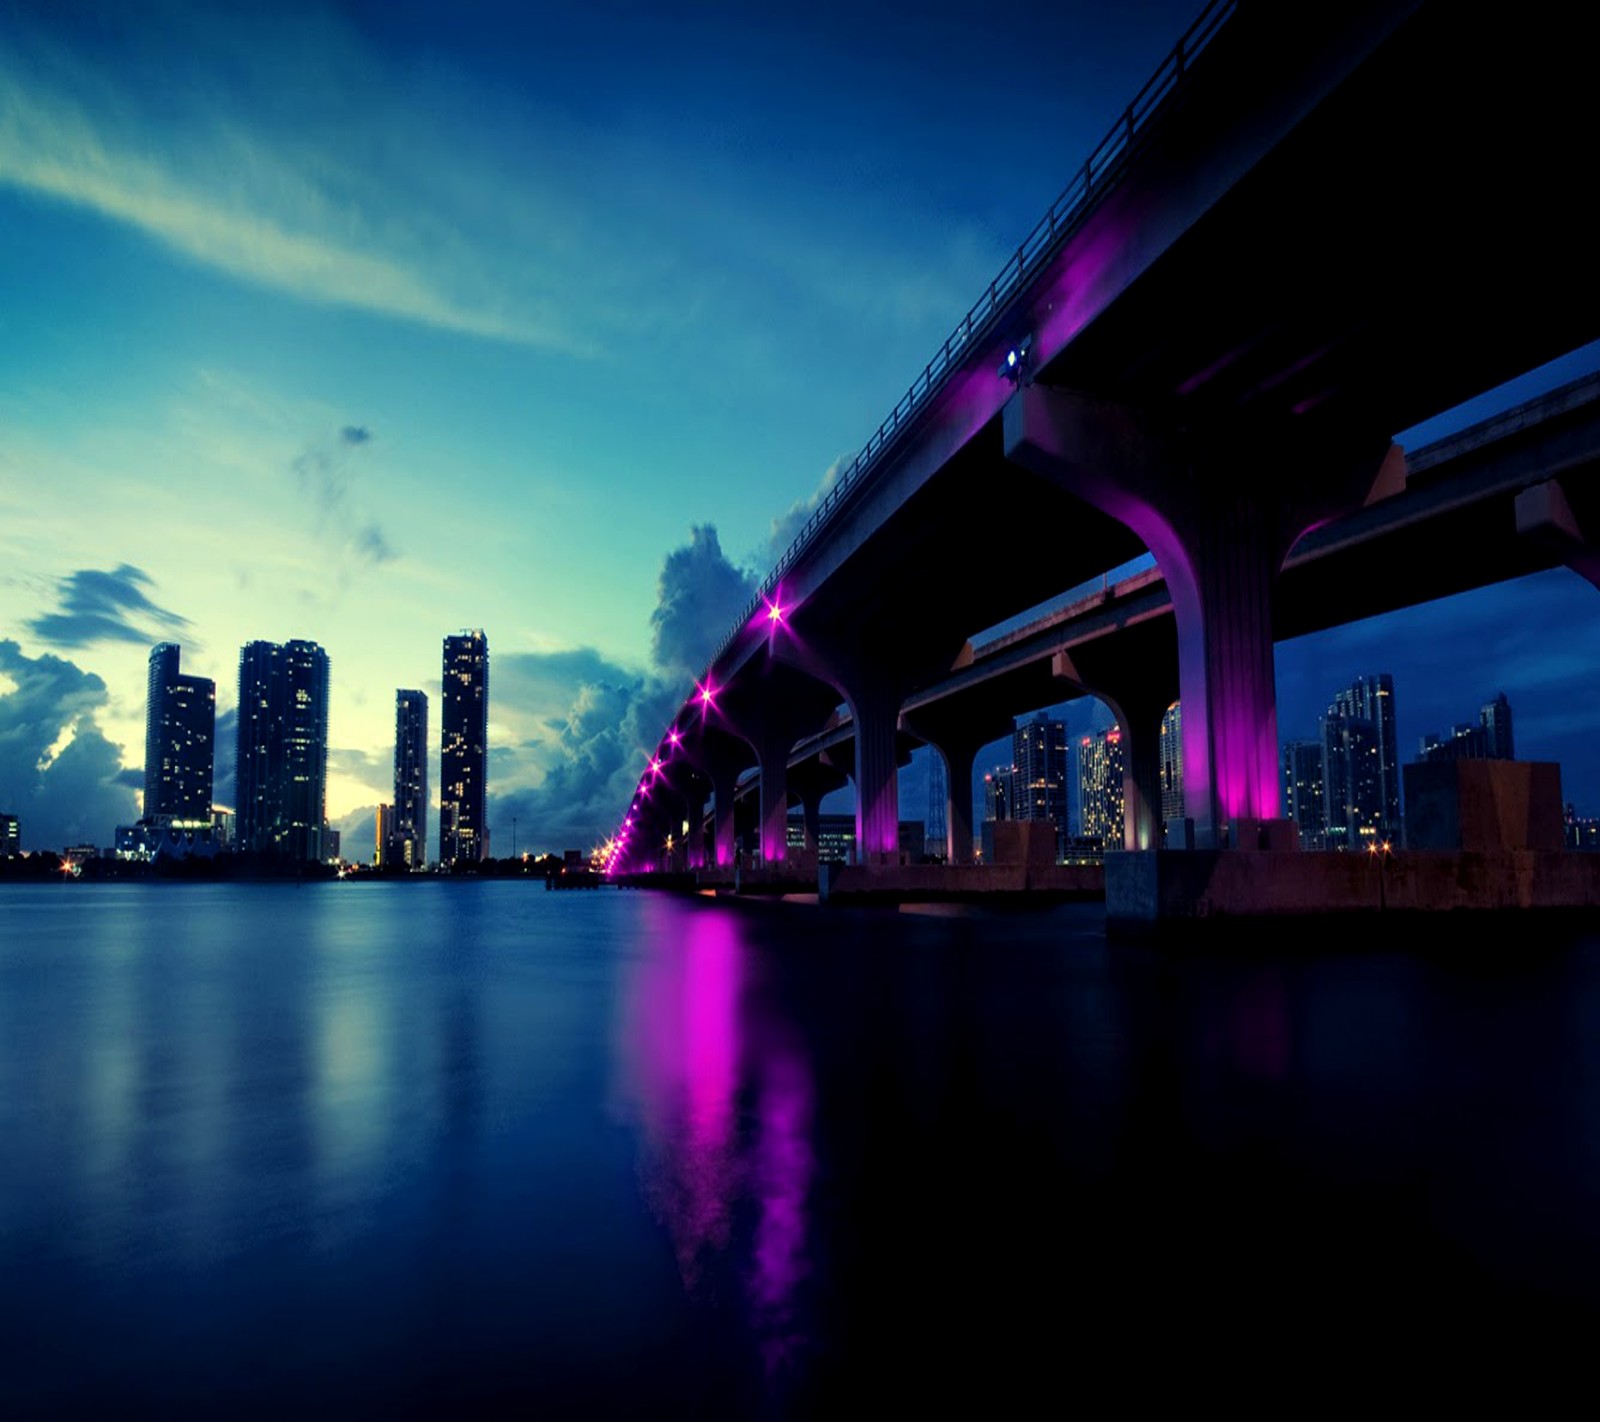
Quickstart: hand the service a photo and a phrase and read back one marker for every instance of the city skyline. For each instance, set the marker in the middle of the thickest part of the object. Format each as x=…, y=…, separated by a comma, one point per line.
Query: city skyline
x=581, y=397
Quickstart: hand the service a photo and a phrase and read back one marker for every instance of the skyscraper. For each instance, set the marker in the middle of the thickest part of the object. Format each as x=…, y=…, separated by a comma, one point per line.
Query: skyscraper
x=1100, y=790
x=1360, y=766
x=938, y=805
x=282, y=768
x=1303, y=791
x=180, y=723
x=1039, y=773
x=464, y=750
x=410, y=834
x=1495, y=718
x=1172, y=763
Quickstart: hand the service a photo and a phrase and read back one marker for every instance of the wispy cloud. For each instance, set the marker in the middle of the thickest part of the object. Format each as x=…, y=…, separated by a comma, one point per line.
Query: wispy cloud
x=105, y=607
x=208, y=180
x=325, y=473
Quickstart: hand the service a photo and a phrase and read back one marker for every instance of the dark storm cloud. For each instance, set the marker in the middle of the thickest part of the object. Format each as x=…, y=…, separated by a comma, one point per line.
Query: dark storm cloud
x=603, y=722
x=73, y=795
x=105, y=607
x=698, y=595
x=326, y=471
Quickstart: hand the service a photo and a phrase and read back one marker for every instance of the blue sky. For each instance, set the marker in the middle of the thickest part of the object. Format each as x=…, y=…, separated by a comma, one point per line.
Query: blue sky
x=365, y=323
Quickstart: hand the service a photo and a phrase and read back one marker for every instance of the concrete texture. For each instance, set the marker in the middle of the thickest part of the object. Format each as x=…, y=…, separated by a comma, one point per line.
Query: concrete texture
x=1159, y=887
x=1483, y=805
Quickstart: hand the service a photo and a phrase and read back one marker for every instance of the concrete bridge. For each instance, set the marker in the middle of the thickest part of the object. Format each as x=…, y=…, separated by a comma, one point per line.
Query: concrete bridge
x=1316, y=226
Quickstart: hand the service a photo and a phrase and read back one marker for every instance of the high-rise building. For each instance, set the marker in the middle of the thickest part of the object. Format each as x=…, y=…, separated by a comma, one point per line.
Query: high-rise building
x=180, y=723
x=997, y=793
x=1303, y=792
x=1039, y=774
x=1100, y=790
x=938, y=805
x=282, y=769
x=1172, y=763
x=464, y=750
x=409, y=837
x=10, y=837
x=385, y=842
x=1360, y=768
x=1495, y=718
x=1488, y=738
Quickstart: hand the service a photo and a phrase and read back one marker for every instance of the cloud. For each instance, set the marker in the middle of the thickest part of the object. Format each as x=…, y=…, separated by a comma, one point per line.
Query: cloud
x=699, y=594
x=786, y=527
x=58, y=773
x=325, y=471
x=590, y=725
x=211, y=176
x=105, y=607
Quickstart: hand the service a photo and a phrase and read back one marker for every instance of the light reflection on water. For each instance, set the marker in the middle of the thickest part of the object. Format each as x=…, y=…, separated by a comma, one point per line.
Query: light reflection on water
x=476, y=1149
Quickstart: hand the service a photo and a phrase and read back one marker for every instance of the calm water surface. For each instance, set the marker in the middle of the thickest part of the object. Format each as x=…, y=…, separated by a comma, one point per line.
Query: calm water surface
x=472, y=1149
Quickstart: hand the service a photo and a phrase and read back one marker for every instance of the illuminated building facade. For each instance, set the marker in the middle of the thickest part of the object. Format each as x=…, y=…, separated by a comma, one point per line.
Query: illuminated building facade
x=180, y=723
x=407, y=841
x=1360, y=767
x=1039, y=773
x=464, y=750
x=1172, y=763
x=938, y=804
x=1100, y=787
x=1303, y=792
x=282, y=766
x=1489, y=739
x=10, y=837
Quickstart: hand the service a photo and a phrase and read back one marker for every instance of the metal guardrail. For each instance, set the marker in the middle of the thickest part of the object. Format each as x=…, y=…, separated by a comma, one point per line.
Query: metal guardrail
x=1066, y=212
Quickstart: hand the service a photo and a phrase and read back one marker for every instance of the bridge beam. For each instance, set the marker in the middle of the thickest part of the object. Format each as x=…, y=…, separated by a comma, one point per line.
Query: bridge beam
x=958, y=737
x=1219, y=521
x=1544, y=515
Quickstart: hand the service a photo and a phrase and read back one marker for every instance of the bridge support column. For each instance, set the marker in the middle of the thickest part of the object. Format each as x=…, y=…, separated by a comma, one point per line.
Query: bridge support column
x=1220, y=523
x=1138, y=685
x=875, y=707
x=959, y=752
x=773, y=755
x=724, y=781
x=694, y=803
x=1545, y=516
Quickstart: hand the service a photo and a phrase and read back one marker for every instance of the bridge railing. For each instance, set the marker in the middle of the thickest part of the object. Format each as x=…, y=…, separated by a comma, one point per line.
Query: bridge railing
x=1066, y=213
